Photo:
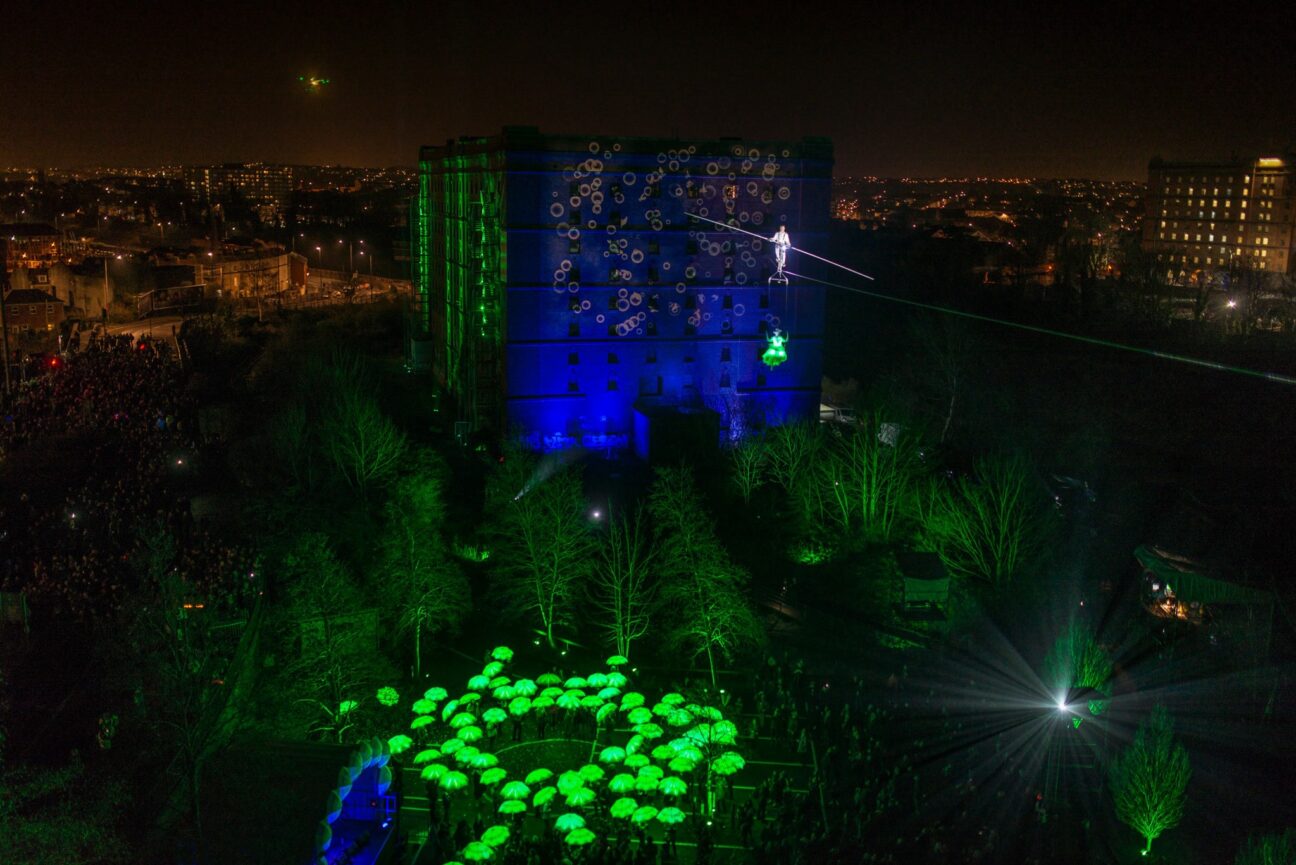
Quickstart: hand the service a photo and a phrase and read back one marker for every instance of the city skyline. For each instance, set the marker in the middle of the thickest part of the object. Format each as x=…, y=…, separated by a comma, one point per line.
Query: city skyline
x=942, y=91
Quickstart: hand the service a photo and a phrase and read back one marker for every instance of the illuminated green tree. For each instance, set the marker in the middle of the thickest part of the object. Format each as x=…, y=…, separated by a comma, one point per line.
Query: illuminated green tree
x=623, y=587
x=1149, y=779
x=748, y=465
x=365, y=447
x=57, y=816
x=865, y=474
x=1077, y=660
x=541, y=534
x=1277, y=849
x=790, y=450
x=429, y=591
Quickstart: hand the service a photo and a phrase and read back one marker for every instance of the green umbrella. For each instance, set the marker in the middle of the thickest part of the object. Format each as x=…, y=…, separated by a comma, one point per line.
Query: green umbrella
x=499, y=681
x=538, y=776
x=733, y=757
x=567, y=701
x=493, y=669
x=639, y=716
x=604, y=712
x=463, y=719
x=645, y=784
x=465, y=754
x=495, y=836
x=449, y=709
x=617, y=680
x=623, y=808
x=591, y=773
x=421, y=721
x=552, y=692
x=513, y=806
x=494, y=715
x=453, y=781
x=672, y=786
x=617, y=661
x=479, y=683
x=670, y=816
x=622, y=783
x=649, y=731
x=643, y=814
x=580, y=837
x=504, y=693
x=635, y=744
x=580, y=798
x=544, y=796
x=631, y=700
x=569, y=821
x=609, y=693
x=710, y=713
x=502, y=653
x=476, y=851
x=661, y=709
x=493, y=775
x=436, y=695
x=596, y=680
x=690, y=752
x=681, y=765
x=471, y=734
x=663, y=752
x=399, y=744
x=699, y=735
x=424, y=707
x=724, y=732
x=727, y=765
x=612, y=754
x=653, y=771
x=574, y=682
x=542, y=702
x=525, y=687
x=679, y=718
x=593, y=701
x=484, y=761
x=427, y=755
x=449, y=746
x=470, y=697
x=569, y=781
x=433, y=772
x=634, y=761
x=515, y=790
x=548, y=679
x=519, y=706
x=673, y=699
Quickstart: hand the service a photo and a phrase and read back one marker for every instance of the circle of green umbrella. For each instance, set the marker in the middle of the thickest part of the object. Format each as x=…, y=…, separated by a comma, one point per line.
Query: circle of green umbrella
x=671, y=816
x=493, y=669
x=574, y=682
x=631, y=700
x=548, y=679
x=663, y=752
x=433, y=772
x=639, y=716
x=612, y=754
x=596, y=680
x=569, y=821
x=525, y=687
x=538, y=776
x=453, y=781
x=622, y=783
x=502, y=653
x=649, y=730
x=421, y=721
x=542, y=702
x=567, y=701
x=515, y=790
x=465, y=754
x=673, y=699
x=484, y=761
x=463, y=719
x=623, y=808
x=495, y=836
x=569, y=781
x=672, y=786
x=499, y=681
x=591, y=773
x=617, y=680
x=449, y=746
x=424, y=706
x=544, y=796
x=476, y=851
x=519, y=706
x=643, y=814
x=645, y=784
x=399, y=744
x=494, y=715
x=580, y=798
x=580, y=837
x=471, y=734
x=513, y=806
x=681, y=765
x=617, y=661
x=652, y=771
x=605, y=712
x=436, y=694
x=427, y=755
x=634, y=761
x=504, y=693
x=479, y=683
x=493, y=775
x=552, y=692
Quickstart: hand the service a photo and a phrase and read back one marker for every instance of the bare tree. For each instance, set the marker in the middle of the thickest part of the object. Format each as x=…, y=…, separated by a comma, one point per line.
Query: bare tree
x=748, y=462
x=364, y=445
x=622, y=588
x=1149, y=779
x=867, y=473
x=790, y=448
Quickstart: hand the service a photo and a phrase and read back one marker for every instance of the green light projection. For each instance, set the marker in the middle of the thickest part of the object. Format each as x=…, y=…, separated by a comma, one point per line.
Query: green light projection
x=775, y=352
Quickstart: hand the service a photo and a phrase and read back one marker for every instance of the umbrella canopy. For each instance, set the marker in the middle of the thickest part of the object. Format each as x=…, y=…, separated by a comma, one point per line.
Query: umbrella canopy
x=499, y=681
x=593, y=701
x=623, y=808
x=465, y=754
x=484, y=761
x=433, y=772
x=574, y=682
x=424, y=706
x=538, y=776
x=569, y=821
x=710, y=713
x=596, y=680
x=548, y=679
x=670, y=816
x=471, y=734
x=463, y=719
x=427, y=755
x=591, y=773
x=449, y=746
x=635, y=743
x=724, y=732
x=580, y=837
x=502, y=653
x=673, y=699
x=661, y=709
x=580, y=798
x=646, y=784
x=525, y=687
x=639, y=715
x=552, y=692
x=399, y=744
x=569, y=781
x=567, y=701
x=649, y=731
x=470, y=697
x=494, y=715
x=622, y=783
x=612, y=754
x=421, y=721
x=634, y=761
x=643, y=814
x=672, y=786
x=689, y=752
x=617, y=661
x=479, y=683
x=519, y=706
x=513, y=806
x=493, y=669
x=681, y=765
x=679, y=718
x=453, y=781
x=495, y=836
x=727, y=765
x=476, y=851
x=542, y=702
x=436, y=695
x=449, y=709
x=604, y=712
x=544, y=796
x=663, y=752
x=515, y=790
x=607, y=693
x=631, y=700
x=651, y=771
x=504, y=692
x=617, y=680
x=493, y=775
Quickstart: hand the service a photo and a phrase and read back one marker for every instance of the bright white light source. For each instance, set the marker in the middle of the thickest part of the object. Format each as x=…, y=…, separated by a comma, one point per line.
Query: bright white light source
x=1062, y=706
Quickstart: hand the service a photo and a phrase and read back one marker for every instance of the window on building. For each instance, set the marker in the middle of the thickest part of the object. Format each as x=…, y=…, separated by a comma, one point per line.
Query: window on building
x=573, y=358
x=651, y=357
x=725, y=354
x=654, y=303
x=612, y=358
x=573, y=386
x=612, y=331
x=728, y=301
x=651, y=328
x=724, y=380
x=612, y=384
x=654, y=246
x=573, y=246
x=573, y=329
x=760, y=379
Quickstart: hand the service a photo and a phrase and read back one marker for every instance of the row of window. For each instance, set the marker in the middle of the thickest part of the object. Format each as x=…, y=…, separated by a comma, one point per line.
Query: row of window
x=654, y=388
x=573, y=357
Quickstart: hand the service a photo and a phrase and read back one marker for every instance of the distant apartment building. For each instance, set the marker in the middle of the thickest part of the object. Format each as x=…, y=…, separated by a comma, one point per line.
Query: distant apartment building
x=1212, y=216
x=256, y=182
x=30, y=310
x=29, y=245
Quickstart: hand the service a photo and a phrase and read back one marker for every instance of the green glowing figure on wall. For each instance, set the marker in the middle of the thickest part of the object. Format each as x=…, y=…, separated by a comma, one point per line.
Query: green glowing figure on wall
x=775, y=352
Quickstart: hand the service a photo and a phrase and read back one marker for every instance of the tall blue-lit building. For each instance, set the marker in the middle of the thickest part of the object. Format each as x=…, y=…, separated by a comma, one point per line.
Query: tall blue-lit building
x=568, y=296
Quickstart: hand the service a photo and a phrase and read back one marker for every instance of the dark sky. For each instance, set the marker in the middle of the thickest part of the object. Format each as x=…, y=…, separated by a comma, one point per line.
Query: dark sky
x=905, y=88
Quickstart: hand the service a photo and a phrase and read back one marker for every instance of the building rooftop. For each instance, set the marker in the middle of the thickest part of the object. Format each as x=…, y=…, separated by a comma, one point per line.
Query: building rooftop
x=30, y=295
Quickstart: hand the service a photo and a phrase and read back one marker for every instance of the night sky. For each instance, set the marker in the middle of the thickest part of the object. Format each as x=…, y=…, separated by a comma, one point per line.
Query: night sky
x=906, y=88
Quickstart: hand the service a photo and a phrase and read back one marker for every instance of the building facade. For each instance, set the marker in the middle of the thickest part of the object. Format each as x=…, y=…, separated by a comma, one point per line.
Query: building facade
x=30, y=245
x=570, y=297
x=1208, y=217
x=256, y=182
x=30, y=310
